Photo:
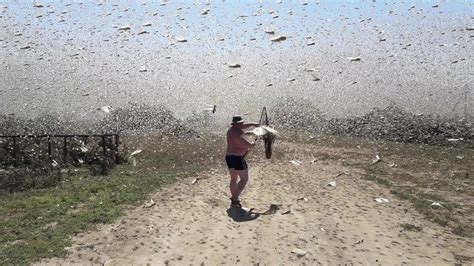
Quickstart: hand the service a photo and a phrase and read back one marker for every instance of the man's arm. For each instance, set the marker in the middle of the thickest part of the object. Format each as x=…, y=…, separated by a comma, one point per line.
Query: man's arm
x=244, y=143
x=247, y=125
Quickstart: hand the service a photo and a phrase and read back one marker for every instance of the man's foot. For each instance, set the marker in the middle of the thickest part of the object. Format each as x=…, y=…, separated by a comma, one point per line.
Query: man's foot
x=235, y=203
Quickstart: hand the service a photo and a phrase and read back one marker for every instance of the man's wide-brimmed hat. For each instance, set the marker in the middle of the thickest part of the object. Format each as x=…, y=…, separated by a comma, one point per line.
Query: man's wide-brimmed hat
x=237, y=119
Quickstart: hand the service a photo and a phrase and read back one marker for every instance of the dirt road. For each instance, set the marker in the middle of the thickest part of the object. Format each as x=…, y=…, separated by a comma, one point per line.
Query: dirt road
x=293, y=208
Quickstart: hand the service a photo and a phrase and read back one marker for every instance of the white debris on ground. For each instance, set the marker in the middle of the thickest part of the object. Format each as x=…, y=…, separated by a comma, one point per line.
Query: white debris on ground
x=195, y=180
x=381, y=200
x=299, y=252
x=133, y=156
x=302, y=199
x=149, y=204
x=105, y=109
x=377, y=159
x=296, y=162
x=136, y=152
x=455, y=140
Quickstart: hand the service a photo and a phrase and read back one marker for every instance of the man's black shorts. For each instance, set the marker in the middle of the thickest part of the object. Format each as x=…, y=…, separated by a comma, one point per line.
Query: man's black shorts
x=236, y=162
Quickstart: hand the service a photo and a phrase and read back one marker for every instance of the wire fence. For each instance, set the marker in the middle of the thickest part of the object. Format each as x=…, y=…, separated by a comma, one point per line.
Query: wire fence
x=109, y=143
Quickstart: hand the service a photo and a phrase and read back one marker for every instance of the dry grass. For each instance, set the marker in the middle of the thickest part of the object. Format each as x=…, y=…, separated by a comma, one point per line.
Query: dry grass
x=411, y=227
x=421, y=174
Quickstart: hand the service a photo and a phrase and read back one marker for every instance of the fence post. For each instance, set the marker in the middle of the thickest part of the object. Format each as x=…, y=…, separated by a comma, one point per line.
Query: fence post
x=65, y=148
x=116, y=148
x=103, y=145
x=14, y=152
x=50, y=156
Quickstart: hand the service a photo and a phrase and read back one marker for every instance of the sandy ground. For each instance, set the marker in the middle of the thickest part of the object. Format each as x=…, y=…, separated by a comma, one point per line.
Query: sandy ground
x=192, y=224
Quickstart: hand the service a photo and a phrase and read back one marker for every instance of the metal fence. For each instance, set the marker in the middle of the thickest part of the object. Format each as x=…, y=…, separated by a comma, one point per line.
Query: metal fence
x=65, y=138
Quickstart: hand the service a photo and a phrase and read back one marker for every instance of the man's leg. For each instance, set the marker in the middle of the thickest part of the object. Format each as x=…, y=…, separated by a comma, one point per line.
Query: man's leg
x=244, y=178
x=234, y=191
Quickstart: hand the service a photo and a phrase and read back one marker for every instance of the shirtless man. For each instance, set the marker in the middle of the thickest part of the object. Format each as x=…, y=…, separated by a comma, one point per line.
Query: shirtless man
x=237, y=148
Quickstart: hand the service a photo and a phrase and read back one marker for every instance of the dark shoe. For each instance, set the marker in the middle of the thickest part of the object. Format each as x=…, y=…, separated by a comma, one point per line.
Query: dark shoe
x=235, y=203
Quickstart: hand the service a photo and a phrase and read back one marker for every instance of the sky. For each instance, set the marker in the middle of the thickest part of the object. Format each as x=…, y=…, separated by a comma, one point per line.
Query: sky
x=345, y=57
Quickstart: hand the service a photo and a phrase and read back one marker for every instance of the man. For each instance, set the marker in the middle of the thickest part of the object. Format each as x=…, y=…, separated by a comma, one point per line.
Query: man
x=237, y=148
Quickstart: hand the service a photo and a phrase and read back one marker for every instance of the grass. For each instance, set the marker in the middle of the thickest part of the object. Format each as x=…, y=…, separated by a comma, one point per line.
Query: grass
x=462, y=258
x=417, y=173
x=421, y=202
x=378, y=180
x=420, y=174
x=39, y=224
x=411, y=227
x=443, y=216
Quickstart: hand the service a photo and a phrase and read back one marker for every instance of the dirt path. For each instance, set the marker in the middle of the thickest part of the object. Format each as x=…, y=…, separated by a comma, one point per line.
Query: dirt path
x=193, y=225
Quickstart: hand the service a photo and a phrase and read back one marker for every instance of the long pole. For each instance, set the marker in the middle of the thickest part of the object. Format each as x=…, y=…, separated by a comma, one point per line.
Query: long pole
x=65, y=148
x=116, y=148
x=103, y=145
x=50, y=156
x=14, y=152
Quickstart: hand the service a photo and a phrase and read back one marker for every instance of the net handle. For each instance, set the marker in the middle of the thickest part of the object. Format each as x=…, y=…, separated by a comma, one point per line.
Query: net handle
x=263, y=121
x=264, y=117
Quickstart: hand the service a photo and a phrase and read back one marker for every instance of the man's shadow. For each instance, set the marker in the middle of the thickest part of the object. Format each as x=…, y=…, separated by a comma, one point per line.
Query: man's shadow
x=241, y=215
